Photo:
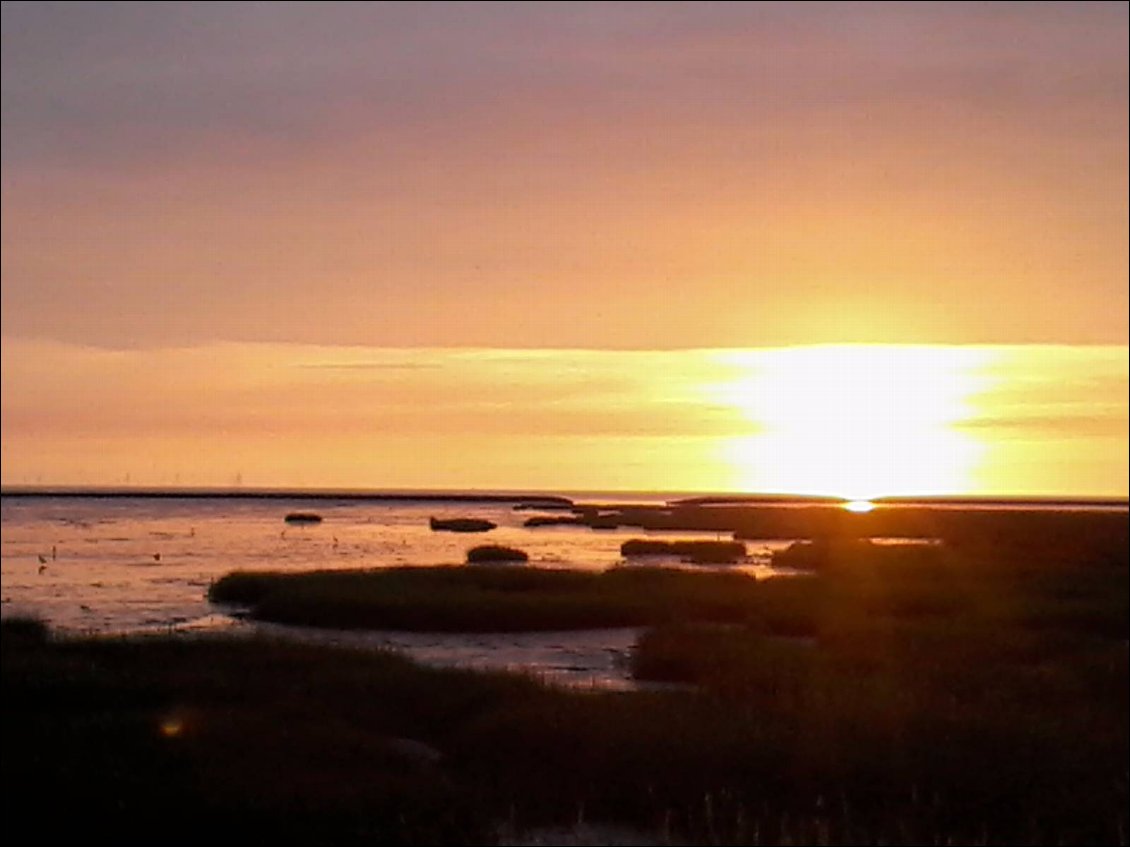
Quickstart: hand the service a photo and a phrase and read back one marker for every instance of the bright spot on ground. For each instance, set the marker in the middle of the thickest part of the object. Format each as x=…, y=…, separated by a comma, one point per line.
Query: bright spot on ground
x=171, y=727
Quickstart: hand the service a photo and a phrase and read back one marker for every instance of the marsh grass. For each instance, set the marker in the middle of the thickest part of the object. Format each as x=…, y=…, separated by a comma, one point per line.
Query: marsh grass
x=177, y=741
x=488, y=599
x=698, y=552
x=487, y=553
x=992, y=686
x=968, y=698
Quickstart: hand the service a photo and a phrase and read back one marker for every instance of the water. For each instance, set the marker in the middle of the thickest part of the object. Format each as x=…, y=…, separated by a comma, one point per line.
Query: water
x=105, y=566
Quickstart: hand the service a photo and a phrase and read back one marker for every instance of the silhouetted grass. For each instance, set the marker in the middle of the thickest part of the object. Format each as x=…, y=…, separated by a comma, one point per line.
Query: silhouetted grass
x=460, y=599
x=963, y=697
x=486, y=553
x=992, y=685
x=303, y=518
x=25, y=629
x=180, y=741
x=461, y=524
x=845, y=552
x=699, y=552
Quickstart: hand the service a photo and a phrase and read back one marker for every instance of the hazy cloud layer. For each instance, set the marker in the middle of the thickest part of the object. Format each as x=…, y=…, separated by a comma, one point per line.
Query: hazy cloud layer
x=1041, y=419
x=627, y=175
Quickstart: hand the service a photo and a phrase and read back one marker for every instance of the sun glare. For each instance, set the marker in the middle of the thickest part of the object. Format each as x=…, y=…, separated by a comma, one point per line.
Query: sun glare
x=854, y=421
x=859, y=506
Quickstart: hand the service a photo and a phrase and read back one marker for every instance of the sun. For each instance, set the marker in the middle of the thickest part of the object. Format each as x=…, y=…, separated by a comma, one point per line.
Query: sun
x=854, y=421
x=859, y=506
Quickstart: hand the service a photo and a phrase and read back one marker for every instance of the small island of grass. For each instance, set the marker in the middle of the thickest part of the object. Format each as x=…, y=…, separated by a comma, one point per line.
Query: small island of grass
x=461, y=525
x=496, y=553
x=697, y=552
x=303, y=518
x=483, y=599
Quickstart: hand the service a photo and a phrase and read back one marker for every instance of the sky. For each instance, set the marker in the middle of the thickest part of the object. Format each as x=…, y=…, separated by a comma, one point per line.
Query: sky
x=258, y=217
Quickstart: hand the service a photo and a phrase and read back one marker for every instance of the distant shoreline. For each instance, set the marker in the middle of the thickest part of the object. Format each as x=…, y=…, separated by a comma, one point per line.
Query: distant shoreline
x=942, y=501
x=282, y=494
x=554, y=499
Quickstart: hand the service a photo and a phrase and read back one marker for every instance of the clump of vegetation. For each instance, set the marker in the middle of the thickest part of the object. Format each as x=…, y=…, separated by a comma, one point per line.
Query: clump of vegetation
x=552, y=520
x=823, y=553
x=303, y=518
x=461, y=599
x=496, y=553
x=698, y=552
x=25, y=630
x=461, y=524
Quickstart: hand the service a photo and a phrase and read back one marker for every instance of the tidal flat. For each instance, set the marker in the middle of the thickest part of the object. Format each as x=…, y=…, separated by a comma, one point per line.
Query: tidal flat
x=974, y=695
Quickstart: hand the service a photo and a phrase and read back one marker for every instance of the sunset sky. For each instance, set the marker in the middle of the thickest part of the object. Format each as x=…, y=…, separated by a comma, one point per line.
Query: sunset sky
x=849, y=248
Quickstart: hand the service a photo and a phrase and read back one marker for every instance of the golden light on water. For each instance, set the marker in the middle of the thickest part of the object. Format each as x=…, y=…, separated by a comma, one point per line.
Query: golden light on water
x=855, y=421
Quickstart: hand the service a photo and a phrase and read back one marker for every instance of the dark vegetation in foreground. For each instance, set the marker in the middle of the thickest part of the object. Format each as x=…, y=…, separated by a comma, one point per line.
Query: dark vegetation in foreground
x=900, y=696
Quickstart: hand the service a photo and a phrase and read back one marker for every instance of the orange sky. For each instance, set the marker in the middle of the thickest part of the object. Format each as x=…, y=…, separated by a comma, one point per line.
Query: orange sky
x=211, y=193
x=844, y=420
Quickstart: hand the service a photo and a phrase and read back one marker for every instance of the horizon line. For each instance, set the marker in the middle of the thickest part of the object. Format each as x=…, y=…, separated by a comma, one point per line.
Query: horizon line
x=689, y=498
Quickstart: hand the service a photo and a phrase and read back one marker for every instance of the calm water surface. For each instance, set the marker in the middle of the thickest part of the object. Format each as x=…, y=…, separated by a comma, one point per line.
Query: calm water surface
x=133, y=565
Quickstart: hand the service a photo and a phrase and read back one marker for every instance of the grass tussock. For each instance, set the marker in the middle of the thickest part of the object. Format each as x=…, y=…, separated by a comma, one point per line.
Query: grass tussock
x=488, y=553
x=697, y=552
x=303, y=518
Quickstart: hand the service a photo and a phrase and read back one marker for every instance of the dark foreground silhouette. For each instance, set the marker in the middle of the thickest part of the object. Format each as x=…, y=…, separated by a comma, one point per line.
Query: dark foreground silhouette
x=970, y=693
